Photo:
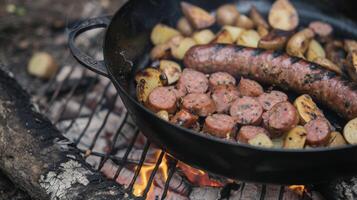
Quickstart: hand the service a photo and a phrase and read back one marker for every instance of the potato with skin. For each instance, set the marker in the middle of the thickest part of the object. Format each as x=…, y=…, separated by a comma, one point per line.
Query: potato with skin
x=261, y=140
x=244, y=22
x=328, y=64
x=257, y=18
x=307, y=109
x=283, y=15
x=233, y=31
x=276, y=39
x=295, y=138
x=278, y=142
x=262, y=31
x=147, y=80
x=163, y=114
x=336, y=140
x=298, y=43
x=203, y=37
x=197, y=17
x=171, y=69
x=350, y=45
x=351, y=65
x=350, y=131
x=315, y=50
x=160, y=51
x=223, y=37
x=249, y=38
x=179, y=51
x=227, y=14
x=162, y=33
x=184, y=26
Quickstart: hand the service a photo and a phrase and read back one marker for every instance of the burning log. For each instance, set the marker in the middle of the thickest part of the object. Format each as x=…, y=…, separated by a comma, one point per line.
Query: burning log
x=35, y=156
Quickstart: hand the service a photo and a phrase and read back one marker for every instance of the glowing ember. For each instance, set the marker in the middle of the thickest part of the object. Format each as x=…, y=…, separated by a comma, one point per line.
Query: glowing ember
x=298, y=189
x=198, y=177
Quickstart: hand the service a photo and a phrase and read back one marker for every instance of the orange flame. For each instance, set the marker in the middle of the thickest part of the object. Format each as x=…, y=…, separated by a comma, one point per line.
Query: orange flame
x=298, y=189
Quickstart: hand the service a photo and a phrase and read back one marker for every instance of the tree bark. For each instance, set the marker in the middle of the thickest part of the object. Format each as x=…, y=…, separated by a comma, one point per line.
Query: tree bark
x=35, y=156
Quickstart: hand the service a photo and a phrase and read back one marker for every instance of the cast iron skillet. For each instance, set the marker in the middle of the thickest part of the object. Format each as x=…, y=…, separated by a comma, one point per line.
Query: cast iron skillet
x=126, y=48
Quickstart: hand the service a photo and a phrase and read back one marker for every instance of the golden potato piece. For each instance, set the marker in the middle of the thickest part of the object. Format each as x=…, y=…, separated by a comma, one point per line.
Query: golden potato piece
x=276, y=39
x=234, y=31
x=283, y=16
x=278, y=142
x=307, y=109
x=315, y=50
x=223, y=37
x=179, y=51
x=147, y=80
x=350, y=131
x=295, y=138
x=184, y=26
x=327, y=64
x=351, y=65
x=162, y=33
x=198, y=17
x=171, y=69
x=203, y=37
x=227, y=14
x=244, y=22
x=42, y=65
x=261, y=140
x=257, y=18
x=249, y=38
x=262, y=31
x=298, y=43
x=350, y=45
x=160, y=51
x=336, y=140
x=163, y=114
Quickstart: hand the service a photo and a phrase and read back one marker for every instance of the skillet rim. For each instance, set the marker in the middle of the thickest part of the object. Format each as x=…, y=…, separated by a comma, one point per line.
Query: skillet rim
x=201, y=135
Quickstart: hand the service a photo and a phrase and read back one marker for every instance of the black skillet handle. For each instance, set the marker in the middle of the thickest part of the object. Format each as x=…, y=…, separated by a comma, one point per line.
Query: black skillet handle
x=84, y=59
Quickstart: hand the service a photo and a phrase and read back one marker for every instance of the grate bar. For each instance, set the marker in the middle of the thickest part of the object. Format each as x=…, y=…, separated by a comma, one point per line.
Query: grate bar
x=169, y=177
x=138, y=169
x=263, y=192
x=153, y=173
x=281, y=193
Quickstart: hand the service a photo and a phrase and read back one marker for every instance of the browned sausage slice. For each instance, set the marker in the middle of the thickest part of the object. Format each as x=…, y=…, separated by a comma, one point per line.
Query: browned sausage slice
x=250, y=88
x=224, y=96
x=192, y=81
x=246, y=110
x=219, y=125
x=162, y=98
x=184, y=118
x=318, y=132
x=268, y=100
x=200, y=104
x=221, y=78
x=179, y=93
x=281, y=118
x=249, y=132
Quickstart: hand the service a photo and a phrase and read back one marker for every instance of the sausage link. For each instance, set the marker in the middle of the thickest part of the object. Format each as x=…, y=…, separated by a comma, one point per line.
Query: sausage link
x=277, y=68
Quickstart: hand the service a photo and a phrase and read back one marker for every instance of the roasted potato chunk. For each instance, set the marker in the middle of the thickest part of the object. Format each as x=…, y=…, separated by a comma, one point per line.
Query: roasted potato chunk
x=227, y=14
x=350, y=131
x=198, y=17
x=179, y=51
x=184, y=26
x=42, y=65
x=351, y=65
x=315, y=50
x=350, y=45
x=327, y=64
x=261, y=140
x=283, y=15
x=249, y=38
x=336, y=140
x=257, y=18
x=163, y=114
x=223, y=37
x=295, y=138
x=278, y=142
x=160, y=51
x=204, y=36
x=299, y=43
x=233, y=31
x=244, y=22
x=171, y=69
x=147, y=80
x=162, y=33
x=307, y=109
x=276, y=39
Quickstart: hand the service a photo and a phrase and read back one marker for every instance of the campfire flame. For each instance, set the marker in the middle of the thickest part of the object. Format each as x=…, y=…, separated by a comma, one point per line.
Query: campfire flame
x=298, y=189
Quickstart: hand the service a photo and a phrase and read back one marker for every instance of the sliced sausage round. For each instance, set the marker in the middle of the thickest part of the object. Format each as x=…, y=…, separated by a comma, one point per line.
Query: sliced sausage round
x=192, y=81
x=198, y=103
x=184, y=118
x=179, y=93
x=281, y=118
x=249, y=132
x=250, y=88
x=268, y=100
x=318, y=132
x=219, y=125
x=246, y=111
x=221, y=78
x=224, y=96
x=162, y=98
